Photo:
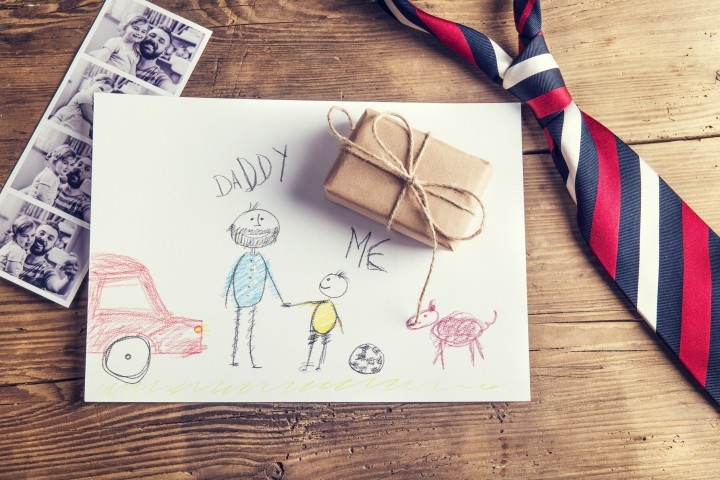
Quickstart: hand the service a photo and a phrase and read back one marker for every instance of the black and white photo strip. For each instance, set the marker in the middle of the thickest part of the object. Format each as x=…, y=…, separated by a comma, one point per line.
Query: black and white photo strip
x=41, y=250
x=56, y=171
x=72, y=108
x=143, y=42
x=132, y=48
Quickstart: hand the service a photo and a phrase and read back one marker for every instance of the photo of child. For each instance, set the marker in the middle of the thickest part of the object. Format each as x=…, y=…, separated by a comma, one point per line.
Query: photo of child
x=138, y=41
x=45, y=167
x=45, y=185
x=123, y=52
x=40, y=248
x=20, y=236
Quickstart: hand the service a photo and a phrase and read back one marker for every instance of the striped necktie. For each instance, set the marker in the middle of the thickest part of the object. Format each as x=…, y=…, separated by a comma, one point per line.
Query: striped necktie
x=663, y=256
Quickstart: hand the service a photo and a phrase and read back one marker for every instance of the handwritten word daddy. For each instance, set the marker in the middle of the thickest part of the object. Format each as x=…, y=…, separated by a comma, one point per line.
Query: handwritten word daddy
x=248, y=173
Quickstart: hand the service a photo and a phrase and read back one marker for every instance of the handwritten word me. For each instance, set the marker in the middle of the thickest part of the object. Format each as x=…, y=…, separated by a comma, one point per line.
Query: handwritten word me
x=250, y=173
x=365, y=250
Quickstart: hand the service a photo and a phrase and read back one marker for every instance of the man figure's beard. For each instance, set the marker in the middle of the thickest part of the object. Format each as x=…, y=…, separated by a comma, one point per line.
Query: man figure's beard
x=254, y=238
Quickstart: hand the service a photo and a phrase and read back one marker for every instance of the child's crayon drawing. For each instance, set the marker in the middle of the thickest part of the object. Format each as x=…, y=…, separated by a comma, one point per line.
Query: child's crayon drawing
x=324, y=317
x=279, y=294
x=253, y=229
x=458, y=329
x=128, y=333
x=367, y=359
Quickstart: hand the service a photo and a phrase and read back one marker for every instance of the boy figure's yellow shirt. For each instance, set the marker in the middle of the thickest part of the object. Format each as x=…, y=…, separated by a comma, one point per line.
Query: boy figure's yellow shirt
x=324, y=316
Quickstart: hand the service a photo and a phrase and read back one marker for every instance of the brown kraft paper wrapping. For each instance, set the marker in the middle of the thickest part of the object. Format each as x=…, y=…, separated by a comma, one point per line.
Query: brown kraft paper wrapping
x=366, y=179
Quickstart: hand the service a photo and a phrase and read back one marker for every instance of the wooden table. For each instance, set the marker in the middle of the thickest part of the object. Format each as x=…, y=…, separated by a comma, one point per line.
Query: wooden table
x=607, y=399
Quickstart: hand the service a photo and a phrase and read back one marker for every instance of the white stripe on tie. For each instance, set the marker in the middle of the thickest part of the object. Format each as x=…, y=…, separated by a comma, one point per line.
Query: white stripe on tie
x=570, y=144
x=649, y=244
x=502, y=59
x=527, y=68
x=391, y=6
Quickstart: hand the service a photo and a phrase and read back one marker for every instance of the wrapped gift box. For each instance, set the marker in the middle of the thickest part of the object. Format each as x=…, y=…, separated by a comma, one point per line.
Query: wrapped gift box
x=365, y=179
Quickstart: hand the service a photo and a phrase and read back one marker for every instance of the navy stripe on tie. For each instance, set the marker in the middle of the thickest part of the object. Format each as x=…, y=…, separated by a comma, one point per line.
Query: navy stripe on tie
x=712, y=382
x=628, y=264
x=538, y=46
x=560, y=164
x=482, y=51
x=554, y=130
x=533, y=21
x=586, y=182
x=669, y=305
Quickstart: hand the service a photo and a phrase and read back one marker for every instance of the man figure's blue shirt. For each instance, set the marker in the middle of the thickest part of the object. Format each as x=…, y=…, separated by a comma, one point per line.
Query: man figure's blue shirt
x=247, y=280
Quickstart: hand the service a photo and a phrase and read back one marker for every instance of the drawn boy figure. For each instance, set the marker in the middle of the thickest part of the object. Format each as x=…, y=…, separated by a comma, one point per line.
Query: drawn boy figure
x=324, y=316
x=252, y=229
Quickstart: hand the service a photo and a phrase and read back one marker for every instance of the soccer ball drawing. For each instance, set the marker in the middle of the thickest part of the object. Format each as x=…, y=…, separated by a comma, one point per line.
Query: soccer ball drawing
x=367, y=359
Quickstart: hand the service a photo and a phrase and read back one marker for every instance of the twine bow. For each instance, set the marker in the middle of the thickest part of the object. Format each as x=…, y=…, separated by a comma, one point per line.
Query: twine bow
x=404, y=171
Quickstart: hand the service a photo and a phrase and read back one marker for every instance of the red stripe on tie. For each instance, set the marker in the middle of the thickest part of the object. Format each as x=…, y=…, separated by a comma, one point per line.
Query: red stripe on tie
x=524, y=16
x=551, y=102
x=448, y=33
x=605, y=227
x=696, y=295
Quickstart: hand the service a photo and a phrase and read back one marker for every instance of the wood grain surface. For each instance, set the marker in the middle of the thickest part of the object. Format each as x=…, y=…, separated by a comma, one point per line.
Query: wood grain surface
x=607, y=399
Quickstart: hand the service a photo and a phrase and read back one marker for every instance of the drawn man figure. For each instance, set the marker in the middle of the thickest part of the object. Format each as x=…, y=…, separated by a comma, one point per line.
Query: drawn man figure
x=252, y=229
x=324, y=316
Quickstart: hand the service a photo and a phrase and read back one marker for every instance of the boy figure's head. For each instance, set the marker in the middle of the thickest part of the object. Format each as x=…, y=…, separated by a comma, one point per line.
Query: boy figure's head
x=255, y=228
x=334, y=285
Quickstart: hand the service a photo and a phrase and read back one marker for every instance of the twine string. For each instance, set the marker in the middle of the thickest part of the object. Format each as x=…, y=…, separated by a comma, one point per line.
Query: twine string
x=418, y=188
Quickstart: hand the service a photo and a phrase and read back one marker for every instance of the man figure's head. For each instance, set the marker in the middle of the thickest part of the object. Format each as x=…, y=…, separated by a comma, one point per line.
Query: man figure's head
x=255, y=228
x=79, y=171
x=46, y=236
x=157, y=40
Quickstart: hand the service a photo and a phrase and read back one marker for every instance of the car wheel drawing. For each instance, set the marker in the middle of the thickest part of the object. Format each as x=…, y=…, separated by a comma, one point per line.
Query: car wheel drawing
x=128, y=322
x=128, y=358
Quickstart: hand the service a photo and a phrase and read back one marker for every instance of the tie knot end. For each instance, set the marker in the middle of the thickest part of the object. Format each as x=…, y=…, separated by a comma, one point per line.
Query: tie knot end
x=535, y=79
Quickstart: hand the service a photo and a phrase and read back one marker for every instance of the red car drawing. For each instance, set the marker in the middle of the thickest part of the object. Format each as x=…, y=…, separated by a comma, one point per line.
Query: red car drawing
x=128, y=322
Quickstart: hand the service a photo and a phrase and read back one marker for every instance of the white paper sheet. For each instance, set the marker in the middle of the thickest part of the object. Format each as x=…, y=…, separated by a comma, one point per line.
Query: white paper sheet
x=162, y=196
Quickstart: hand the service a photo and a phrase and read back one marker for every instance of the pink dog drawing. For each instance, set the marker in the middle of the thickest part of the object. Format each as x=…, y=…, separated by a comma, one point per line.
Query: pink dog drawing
x=459, y=329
